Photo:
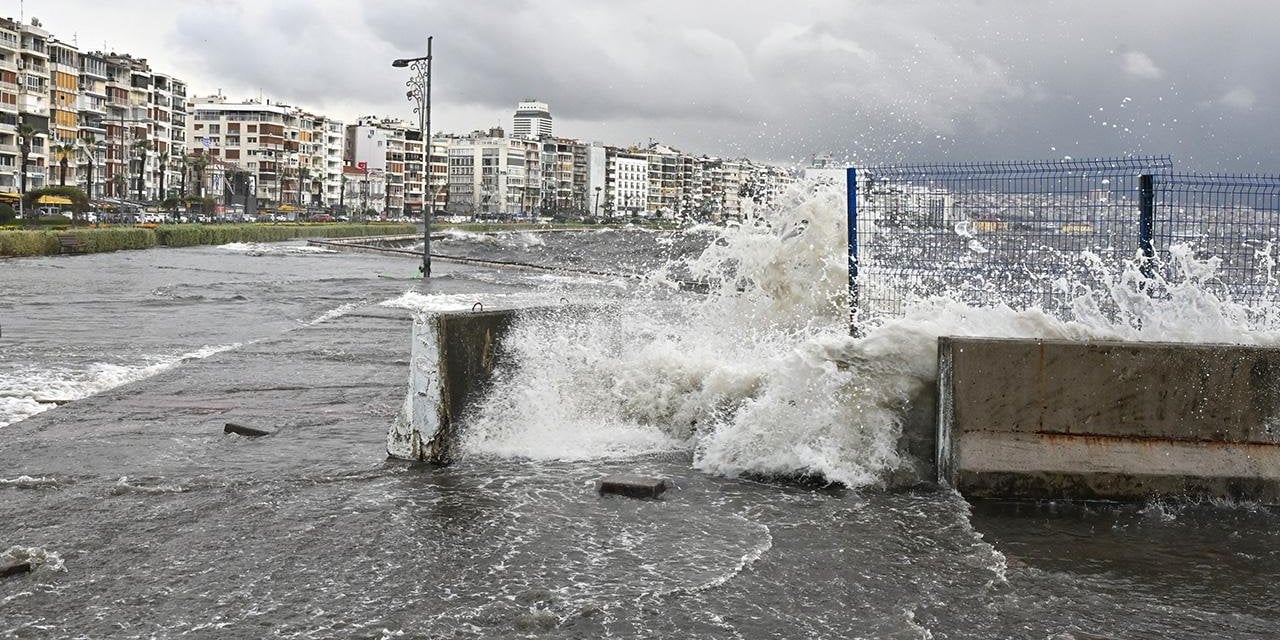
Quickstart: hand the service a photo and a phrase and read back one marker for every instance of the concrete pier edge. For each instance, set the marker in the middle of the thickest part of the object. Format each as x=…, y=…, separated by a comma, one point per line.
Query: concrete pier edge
x=1103, y=420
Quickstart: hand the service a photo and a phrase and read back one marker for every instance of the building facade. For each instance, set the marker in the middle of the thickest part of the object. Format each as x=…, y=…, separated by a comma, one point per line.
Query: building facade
x=290, y=159
x=532, y=120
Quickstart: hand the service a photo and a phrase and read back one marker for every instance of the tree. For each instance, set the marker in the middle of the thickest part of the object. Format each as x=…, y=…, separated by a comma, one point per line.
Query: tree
x=65, y=151
x=286, y=175
x=25, y=133
x=304, y=176
x=87, y=149
x=141, y=147
x=118, y=181
x=79, y=202
x=198, y=164
x=163, y=158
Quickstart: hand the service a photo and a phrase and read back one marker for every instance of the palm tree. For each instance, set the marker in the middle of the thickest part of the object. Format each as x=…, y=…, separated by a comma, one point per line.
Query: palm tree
x=304, y=176
x=286, y=174
x=198, y=164
x=25, y=133
x=163, y=158
x=65, y=152
x=318, y=183
x=87, y=149
x=141, y=147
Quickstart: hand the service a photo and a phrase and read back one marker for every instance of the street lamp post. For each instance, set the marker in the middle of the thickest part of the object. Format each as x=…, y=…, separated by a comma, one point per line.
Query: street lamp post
x=597, y=208
x=420, y=92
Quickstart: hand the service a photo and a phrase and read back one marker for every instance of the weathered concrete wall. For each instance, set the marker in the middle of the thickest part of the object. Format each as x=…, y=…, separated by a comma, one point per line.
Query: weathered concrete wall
x=451, y=359
x=1050, y=419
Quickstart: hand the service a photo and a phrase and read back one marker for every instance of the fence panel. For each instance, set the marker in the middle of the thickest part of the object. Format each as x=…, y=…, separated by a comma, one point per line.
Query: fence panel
x=1234, y=220
x=1024, y=234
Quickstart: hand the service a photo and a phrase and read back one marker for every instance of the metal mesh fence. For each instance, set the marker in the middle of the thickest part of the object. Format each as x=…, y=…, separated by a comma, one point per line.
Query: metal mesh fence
x=1232, y=220
x=1024, y=234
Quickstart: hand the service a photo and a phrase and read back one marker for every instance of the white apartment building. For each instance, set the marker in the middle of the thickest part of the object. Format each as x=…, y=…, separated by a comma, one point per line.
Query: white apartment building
x=626, y=183
x=10, y=90
x=33, y=98
x=489, y=176
x=395, y=148
x=291, y=157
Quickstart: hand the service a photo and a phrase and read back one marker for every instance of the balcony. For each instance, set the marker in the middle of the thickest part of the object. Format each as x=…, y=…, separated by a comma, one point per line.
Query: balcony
x=86, y=104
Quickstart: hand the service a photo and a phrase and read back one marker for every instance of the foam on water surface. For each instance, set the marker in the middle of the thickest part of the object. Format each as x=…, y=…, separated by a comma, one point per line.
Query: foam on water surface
x=34, y=389
x=272, y=248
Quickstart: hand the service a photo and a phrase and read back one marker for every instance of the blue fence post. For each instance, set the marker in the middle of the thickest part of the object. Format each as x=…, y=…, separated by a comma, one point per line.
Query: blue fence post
x=851, y=190
x=1146, y=218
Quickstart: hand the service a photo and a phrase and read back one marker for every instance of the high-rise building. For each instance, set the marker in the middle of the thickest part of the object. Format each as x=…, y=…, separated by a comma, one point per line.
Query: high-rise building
x=490, y=175
x=33, y=100
x=532, y=120
x=10, y=90
x=92, y=107
x=64, y=114
x=627, y=182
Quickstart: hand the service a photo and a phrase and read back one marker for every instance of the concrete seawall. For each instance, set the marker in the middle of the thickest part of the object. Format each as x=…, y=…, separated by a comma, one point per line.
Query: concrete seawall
x=1041, y=419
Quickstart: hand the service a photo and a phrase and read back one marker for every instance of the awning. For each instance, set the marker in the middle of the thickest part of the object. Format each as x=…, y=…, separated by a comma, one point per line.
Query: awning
x=288, y=207
x=54, y=200
x=10, y=195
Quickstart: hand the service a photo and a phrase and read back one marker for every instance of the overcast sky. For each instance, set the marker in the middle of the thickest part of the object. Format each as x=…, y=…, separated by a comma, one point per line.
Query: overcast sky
x=875, y=80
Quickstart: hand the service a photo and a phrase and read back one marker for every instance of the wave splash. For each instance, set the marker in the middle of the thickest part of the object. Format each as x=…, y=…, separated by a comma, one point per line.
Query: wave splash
x=760, y=375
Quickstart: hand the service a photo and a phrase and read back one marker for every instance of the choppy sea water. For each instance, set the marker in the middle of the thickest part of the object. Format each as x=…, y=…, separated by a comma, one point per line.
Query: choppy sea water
x=155, y=524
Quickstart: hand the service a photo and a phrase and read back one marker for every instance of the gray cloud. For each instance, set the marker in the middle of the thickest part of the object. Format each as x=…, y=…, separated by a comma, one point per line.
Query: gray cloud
x=878, y=80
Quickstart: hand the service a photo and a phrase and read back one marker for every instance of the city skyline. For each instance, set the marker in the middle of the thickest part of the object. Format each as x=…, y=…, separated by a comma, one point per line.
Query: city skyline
x=871, y=81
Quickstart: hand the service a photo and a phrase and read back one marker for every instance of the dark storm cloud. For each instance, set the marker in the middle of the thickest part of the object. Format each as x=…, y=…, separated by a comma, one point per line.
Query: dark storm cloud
x=872, y=79
x=957, y=80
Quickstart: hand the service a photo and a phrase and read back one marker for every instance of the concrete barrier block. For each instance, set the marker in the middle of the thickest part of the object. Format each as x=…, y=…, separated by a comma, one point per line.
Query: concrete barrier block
x=633, y=486
x=1108, y=420
x=239, y=429
x=452, y=357
x=14, y=569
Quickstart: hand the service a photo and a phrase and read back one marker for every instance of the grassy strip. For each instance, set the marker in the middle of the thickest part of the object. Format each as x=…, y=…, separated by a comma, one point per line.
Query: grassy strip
x=97, y=240
x=186, y=235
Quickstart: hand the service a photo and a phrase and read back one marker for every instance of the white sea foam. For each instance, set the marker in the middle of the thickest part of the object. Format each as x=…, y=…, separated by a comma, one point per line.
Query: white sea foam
x=440, y=302
x=335, y=313
x=760, y=375
x=28, y=482
x=146, y=486
x=41, y=559
x=269, y=248
x=507, y=239
x=33, y=389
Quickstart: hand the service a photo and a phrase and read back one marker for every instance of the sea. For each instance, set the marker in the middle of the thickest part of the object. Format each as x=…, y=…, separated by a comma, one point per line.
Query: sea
x=792, y=513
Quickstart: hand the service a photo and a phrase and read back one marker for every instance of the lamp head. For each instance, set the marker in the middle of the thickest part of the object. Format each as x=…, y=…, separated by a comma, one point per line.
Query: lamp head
x=400, y=62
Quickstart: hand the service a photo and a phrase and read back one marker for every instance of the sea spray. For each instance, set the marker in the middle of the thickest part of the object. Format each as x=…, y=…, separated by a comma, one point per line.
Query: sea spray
x=759, y=376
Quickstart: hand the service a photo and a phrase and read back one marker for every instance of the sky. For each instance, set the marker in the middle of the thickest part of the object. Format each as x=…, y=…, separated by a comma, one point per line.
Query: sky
x=870, y=81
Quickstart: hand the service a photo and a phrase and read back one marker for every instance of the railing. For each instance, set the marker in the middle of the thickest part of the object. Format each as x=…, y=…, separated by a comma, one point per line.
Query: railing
x=1040, y=234
x=1232, y=219
x=994, y=233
